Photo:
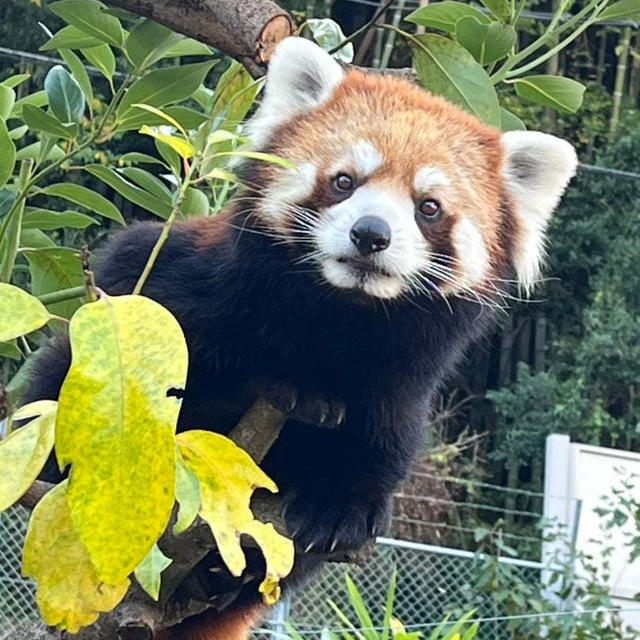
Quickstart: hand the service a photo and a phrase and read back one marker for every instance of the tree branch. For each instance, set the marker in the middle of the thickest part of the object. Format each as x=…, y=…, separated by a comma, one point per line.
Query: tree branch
x=246, y=31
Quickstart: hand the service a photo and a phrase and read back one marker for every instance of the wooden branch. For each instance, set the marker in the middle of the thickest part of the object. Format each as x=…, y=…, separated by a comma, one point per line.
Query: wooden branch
x=247, y=30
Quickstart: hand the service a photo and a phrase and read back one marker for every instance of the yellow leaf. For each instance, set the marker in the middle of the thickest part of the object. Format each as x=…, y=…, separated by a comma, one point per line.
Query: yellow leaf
x=24, y=452
x=182, y=147
x=116, y=427
x=161, y=114
x=22, y=313
x=69, y=592
x=221, y=174
x=228, y=476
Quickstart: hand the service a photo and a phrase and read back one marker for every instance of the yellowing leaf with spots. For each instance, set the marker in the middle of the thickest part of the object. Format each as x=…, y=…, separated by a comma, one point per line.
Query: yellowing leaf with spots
x=24, y=452
x=69, y=592
x=227, y=477
x=22, y=313
x=116, y=427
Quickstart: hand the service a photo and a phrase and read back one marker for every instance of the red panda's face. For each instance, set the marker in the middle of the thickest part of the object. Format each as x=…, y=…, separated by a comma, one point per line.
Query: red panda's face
x=394, y=191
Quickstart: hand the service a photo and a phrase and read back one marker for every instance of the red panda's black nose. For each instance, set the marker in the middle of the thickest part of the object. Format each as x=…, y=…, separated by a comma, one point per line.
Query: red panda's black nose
x=370, y=234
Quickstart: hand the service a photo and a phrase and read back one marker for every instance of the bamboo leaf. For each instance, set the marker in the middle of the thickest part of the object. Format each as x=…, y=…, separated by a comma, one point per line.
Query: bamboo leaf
x=70, y=593
x=228, y=476
x=22, y=313
x=127, y=353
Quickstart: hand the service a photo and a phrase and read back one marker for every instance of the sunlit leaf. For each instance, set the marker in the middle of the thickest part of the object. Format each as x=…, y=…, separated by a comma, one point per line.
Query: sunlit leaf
x=486, y=43
x=38, y=99
x=624, y=9
x=164, y=116
x=148, y=572
x=188, y=47
x=195, y=203
x=15, y=80
x=7, y=100
x=187, y=496
x=48, y=220
x=228, y=476
x=509, y=122
x=328, y=34
x=85, y=198
x=70, y=593
x=116, y=424
x=24, y=452
x=7, y=154
x=89, y=16
x=181, y=146
x=22, y=313
x=102, y=58
x=187, y=117
x=70, y=37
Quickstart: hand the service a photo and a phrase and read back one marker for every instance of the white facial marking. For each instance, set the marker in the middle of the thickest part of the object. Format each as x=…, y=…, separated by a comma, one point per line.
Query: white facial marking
x=291, y=186
x=471, y=252
x=399, y=262
x=537, y=169
x=428, y=177
x=366, y=157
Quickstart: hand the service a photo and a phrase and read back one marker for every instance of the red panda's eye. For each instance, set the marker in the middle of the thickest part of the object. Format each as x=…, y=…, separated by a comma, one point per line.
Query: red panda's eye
x=343, y=183
x=430, y=209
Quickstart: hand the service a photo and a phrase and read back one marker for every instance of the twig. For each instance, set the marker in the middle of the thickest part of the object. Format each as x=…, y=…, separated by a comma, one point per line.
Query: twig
x=376, y=16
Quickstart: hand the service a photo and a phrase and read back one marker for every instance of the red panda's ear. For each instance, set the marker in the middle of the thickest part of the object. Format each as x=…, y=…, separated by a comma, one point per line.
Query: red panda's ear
x=301, y=76
x=536, y=171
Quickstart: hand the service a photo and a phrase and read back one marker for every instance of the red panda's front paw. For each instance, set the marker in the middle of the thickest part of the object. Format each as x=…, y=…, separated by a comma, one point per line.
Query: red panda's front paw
x=312, y=408
x=336, y=523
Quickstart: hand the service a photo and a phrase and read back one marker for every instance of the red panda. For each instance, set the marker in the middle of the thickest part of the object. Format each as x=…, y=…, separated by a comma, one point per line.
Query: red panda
x=344, y=288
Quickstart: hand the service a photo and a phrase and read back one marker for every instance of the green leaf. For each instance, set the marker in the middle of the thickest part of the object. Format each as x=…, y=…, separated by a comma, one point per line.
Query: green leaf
x=7, y=198
x=499, y=8
x=447, y=69
x=79, y=72
x=629, y=9
x=195, y=203
x=148, y=42
x=235, y=92
x=102, y=58
x=85, y=198
x=66, y=99
x=9, y=350
x=37, y=99
x=486, y=43
x=149, y=182
x=228, y=477
x=163, y=86
x=169, y=156
x=7, y=155
x=15, y=80
x=70, y=593
x=135, y=157
x=148, y=571
x=35, y=239
x=7, y=100
x=34, y=151
x=188, y=118
x=560, y=93
x=509, y=122
x=355, y=598
x=127, y=352
x=130, y=191
x=445, y=15
x=70, y=37
x=187, y=496
x=188, y=47
x=328, y=34
x=89, y=16
x=40, y=120
x=18, y=132
x=54, y=269
x=24, y=452
x=22, y=313
x=48, y=220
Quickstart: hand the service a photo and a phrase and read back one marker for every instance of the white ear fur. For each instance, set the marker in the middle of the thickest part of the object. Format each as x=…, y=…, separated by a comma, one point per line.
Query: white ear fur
x=301, y=76
x=536, y=171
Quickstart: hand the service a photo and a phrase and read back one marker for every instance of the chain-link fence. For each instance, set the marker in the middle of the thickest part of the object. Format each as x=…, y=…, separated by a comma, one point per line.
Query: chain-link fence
x=431, y=582
x=17, y=595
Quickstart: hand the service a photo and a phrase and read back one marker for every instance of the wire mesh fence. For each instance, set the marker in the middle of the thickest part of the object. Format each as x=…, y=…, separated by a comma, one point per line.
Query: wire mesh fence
x=431, y=582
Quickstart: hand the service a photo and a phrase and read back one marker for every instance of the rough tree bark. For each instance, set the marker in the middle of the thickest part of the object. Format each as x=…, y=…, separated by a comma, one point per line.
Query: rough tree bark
x=245, y=30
